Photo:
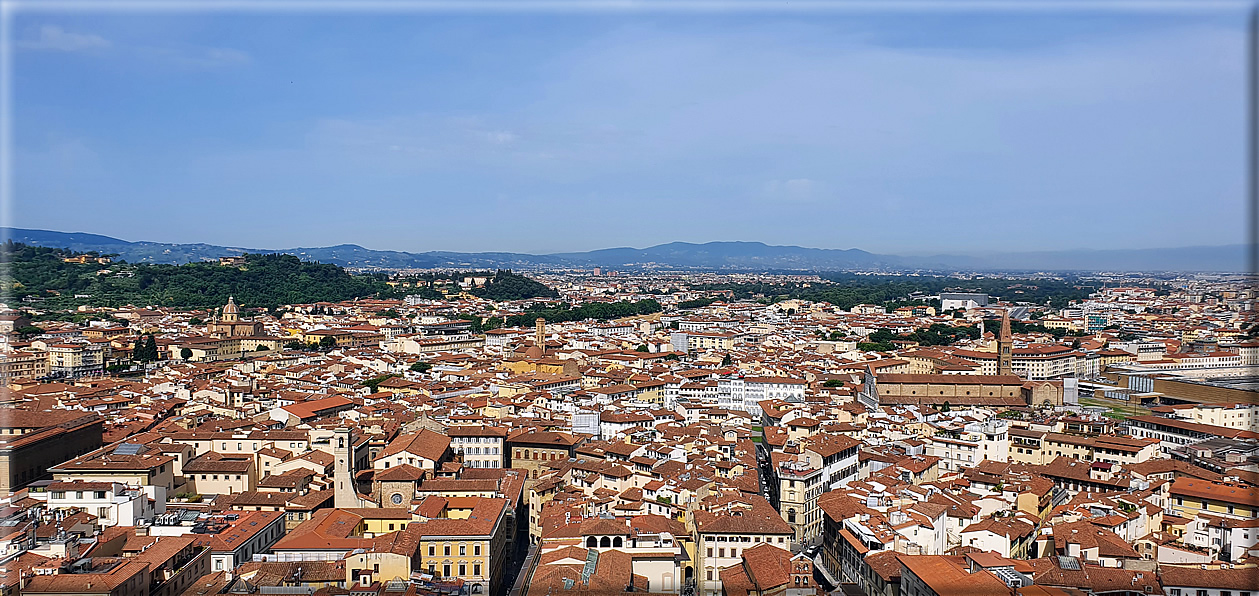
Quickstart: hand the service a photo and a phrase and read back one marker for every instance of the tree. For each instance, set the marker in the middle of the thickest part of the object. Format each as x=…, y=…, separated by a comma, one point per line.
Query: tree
x=373, y=384
x=421, y=367
x=195, y=321
x=328, y=342
x=295, y=345
x=945, y=407
x=642, y=348
x=261, y=348
x=833, y=383
x=389, y=313
x=185, y=353
x=727, y=361
x=150, y=349
x=672, y=356
x=145, y=349
x=26, y=331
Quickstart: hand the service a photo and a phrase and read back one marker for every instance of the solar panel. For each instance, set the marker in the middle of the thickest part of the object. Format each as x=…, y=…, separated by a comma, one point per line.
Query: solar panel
x=592, y=560
x=1068, y=563
x=129, y=449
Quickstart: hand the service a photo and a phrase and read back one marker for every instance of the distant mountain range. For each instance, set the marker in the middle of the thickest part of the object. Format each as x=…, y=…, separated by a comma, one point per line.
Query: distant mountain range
x=734, y=256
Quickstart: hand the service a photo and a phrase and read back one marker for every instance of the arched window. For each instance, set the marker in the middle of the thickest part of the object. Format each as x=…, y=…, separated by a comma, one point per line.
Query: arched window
x=605, y=542
x=592, y=542
x=791, y=516
x=617, y=542
x=340, y=442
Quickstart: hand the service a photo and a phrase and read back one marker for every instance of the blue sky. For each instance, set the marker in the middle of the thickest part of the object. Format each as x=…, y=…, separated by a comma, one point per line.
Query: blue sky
x=895, y=133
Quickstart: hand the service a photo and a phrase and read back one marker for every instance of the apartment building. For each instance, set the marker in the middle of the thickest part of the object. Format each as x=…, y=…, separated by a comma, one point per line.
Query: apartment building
x=1042, y=447
x=113, y=503
x=480, y=446
x=723, y=532
x=746, y=393
x=464, y=539
x=22, y=365
x=32, y=441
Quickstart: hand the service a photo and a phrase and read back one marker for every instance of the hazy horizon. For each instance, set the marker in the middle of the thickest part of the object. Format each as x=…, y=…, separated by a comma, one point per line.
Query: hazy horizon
x=916, y=253
x=542, y=133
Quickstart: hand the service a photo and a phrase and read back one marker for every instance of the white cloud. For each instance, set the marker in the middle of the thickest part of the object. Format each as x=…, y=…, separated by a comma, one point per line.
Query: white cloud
x=54, y=38
x=794, y=190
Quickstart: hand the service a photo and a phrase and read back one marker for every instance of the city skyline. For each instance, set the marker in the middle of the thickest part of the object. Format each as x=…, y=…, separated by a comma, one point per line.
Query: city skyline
x=834, y=131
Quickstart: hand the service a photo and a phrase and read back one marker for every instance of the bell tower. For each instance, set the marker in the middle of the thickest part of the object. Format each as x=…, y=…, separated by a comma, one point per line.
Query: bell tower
x=344, y=494
x=1005, y=345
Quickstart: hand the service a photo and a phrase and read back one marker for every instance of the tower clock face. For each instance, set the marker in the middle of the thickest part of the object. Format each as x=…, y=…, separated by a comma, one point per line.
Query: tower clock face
x=396, y=498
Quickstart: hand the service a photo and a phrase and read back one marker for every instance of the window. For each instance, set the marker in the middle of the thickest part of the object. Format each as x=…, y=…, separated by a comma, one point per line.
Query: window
x=476, y=550
x=721, y=552
x=432, y=550
x=463, y=550
x=710, y=575
x=463, y=569
x=446, y=551
x=446, y=570
x=476, y=569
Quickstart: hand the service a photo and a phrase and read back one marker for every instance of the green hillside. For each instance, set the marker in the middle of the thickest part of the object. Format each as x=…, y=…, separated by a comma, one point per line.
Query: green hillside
x=265, y=280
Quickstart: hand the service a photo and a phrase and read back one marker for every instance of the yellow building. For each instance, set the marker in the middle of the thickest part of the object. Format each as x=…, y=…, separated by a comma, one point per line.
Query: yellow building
x=1190, y=496
x=464, y=538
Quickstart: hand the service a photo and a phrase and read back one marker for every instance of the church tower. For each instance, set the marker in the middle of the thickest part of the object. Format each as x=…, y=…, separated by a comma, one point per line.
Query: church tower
x=344, y=495
x=1005, y=345
x=539, y=340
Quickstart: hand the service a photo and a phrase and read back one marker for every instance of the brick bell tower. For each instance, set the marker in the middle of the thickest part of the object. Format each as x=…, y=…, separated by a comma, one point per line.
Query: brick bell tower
x=1005, y=346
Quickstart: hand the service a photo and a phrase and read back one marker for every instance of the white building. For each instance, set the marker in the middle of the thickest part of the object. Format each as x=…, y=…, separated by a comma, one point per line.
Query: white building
x=746, y=393
x=113, y=503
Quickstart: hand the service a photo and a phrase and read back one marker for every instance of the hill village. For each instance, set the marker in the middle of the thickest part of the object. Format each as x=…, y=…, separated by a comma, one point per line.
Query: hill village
x=717, y=447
